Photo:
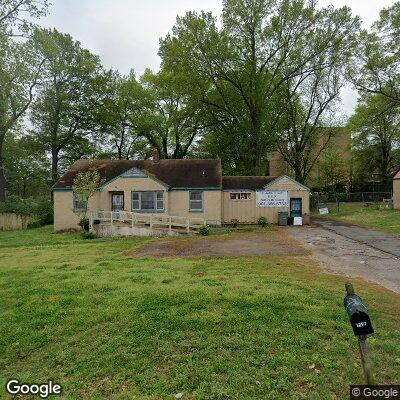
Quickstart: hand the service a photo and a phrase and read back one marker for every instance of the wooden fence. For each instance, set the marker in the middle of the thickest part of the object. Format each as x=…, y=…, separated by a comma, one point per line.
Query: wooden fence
x=11, y=222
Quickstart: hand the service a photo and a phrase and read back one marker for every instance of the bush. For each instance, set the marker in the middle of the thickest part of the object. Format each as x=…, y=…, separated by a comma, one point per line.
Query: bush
x=88, y=235
x=204, y=230
x=262, y=221
x=45, y=212
x=84, y=224
x=234, y=223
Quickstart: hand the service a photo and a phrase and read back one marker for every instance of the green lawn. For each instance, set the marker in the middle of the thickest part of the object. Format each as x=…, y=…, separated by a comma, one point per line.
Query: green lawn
x=106, y=325
x=371, y=216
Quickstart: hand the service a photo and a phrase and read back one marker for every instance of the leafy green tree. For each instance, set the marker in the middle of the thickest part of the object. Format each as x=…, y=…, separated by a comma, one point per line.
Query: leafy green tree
x=26, y=168
x=178, y=118
x=379, y=56
x=308, y=107
x=376, y=128
x=124, y=113
x=63, y=112
x=20, y=71
x=20, y=68
x=333, y=172
x=16, y=16
x=261, y=45
x=85, y=186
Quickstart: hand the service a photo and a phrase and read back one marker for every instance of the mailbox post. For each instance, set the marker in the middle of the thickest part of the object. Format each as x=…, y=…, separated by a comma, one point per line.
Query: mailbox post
x=362, y=327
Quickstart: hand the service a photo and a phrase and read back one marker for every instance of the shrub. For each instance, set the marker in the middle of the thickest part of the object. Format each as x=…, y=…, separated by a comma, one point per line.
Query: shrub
x=204, y=230
x=84, y=224
x=262, y=221
x=45, y=212
x=234, y=223
x=88, y=235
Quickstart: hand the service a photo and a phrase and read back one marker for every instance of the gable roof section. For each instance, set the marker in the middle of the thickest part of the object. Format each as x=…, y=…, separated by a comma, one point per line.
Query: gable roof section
x=276, y=180
x=254, y=182
x=397, y=176
x=180, y=174
x=245, y=182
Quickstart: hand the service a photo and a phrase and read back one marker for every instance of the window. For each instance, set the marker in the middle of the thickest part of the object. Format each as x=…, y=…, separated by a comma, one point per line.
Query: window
x=160, y=200
x=147, y=201
x=240, y=196
x=117, y=201
x=135, y=201
x=79, y=204
x=196, y=201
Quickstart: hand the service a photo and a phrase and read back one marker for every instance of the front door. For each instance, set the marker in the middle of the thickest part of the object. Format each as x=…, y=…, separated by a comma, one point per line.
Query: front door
x=117, y=201
x=296, y=207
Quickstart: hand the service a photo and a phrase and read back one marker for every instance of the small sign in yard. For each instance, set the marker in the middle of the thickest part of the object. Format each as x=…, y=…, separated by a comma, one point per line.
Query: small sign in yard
x=297, y=221
x=276, y=198
x=324, y=211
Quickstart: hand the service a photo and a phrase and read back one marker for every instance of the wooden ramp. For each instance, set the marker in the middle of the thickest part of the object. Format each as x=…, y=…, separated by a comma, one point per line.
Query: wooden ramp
x=136, y=224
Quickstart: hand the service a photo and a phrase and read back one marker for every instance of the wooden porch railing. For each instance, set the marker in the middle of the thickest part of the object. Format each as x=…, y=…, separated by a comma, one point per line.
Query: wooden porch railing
x=154, y=221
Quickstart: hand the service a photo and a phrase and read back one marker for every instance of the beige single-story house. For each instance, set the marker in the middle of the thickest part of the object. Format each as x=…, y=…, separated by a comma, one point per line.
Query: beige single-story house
x=186, y=188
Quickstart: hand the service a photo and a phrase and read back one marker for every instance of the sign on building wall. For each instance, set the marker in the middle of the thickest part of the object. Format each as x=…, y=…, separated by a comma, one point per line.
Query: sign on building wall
x=276, y=198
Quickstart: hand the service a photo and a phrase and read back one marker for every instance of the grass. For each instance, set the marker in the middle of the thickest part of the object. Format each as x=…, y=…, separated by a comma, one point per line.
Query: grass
x=106, y=325
x=385, y=219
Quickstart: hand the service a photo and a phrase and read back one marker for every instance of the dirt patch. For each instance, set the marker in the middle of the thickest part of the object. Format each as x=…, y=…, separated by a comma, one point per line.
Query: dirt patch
x=275, y=242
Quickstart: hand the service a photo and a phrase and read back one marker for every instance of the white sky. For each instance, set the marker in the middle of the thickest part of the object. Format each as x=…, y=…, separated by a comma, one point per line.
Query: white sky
x=126, y=33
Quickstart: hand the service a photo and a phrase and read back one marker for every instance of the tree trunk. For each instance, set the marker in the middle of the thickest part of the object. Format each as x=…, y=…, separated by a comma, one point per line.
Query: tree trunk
x=299, y=176
x=54, y=164
x=258, y=150
x=3, y=183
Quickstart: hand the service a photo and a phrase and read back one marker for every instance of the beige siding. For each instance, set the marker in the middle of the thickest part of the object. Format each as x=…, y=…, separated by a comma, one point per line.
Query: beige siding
x=218, y=206
x=176, y=202
x=127, y=185
x=64, y=216
x=396, y=194
x=247, y=212
x=179, y=205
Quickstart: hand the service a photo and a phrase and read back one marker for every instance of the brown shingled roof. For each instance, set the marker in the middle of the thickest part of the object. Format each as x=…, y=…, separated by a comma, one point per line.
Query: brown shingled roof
x=191, y=173
x=246, y=182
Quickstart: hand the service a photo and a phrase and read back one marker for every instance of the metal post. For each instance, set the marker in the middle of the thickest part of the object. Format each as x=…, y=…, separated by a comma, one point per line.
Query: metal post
x=170, y=225
x=363, y=346
x=349, y=288
x=366, y=360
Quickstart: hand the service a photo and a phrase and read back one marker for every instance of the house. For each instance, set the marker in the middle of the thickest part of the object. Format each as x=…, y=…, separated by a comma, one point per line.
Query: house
x=186, y=188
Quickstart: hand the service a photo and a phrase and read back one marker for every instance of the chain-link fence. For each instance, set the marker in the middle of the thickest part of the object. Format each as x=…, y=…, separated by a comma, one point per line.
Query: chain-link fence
x=319, y=200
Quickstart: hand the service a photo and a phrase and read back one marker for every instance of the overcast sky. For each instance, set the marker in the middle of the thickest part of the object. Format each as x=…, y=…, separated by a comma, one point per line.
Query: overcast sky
x=125, y=33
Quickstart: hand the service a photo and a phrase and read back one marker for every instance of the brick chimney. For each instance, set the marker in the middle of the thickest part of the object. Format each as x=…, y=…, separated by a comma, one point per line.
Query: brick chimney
x=156, y=156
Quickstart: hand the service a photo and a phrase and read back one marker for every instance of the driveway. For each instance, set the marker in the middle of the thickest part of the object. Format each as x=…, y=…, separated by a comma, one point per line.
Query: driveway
x=353, y=251
x=377, y=239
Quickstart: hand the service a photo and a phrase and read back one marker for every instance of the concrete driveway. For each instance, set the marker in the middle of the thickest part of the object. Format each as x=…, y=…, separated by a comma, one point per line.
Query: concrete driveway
x=353, y=251
x=377, y=239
